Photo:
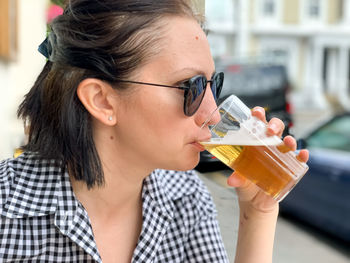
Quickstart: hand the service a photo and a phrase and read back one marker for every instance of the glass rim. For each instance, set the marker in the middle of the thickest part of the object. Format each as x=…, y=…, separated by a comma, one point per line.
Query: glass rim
x=231, y=97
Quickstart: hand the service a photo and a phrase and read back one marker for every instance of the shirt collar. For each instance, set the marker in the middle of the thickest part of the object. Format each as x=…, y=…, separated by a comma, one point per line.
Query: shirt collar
x=38, y=188
x=152, y=187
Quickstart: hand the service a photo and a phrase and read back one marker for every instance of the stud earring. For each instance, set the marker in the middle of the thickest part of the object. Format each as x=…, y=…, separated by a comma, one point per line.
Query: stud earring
x=110, y=118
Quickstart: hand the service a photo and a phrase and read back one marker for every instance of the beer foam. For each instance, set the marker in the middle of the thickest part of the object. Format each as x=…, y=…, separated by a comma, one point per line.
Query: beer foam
x=243, y=139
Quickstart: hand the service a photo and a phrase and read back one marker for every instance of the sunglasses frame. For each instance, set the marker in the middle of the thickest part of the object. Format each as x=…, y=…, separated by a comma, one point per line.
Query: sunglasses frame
x=187, y=88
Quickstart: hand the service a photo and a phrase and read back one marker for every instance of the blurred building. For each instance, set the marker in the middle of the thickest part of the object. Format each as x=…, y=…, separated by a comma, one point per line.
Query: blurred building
x=22, y=28
x=310, y=37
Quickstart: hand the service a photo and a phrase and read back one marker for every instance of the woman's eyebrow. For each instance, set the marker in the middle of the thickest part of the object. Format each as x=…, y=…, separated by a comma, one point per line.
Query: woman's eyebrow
x=192, y=70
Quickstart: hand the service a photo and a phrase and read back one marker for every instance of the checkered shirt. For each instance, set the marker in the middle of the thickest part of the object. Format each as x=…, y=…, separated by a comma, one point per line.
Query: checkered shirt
x=42, y=221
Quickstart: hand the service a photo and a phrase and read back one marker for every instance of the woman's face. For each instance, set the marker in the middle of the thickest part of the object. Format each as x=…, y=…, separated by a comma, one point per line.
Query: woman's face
x=152, y=128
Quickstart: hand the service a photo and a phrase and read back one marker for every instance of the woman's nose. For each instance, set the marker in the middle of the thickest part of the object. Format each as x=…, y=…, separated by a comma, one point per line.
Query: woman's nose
x=206, y=109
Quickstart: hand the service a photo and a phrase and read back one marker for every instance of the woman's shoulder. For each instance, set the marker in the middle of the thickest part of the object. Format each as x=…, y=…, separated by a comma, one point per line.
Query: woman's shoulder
x=8, y=171
x=24, y=163
x=186, y=188
x=23, y=174
x=180, y=183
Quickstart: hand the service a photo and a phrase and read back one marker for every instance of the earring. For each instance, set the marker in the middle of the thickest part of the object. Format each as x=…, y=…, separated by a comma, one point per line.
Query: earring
x=110, y=118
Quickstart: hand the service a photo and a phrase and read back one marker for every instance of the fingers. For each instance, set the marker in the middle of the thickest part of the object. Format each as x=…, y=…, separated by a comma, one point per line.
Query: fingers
x=245, y=189
x=303, y=155
x=275, y=127
x=235, y=180
x=259, y=112
x=290, y=142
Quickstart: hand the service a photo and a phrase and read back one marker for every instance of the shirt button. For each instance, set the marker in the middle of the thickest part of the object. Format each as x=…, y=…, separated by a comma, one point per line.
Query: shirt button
x=65, y=216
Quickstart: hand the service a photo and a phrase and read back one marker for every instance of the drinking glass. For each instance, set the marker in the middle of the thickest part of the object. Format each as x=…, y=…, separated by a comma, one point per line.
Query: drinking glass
x=240, y=141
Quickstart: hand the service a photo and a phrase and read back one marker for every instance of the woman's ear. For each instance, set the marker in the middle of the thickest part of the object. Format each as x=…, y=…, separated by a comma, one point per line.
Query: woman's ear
x=96, y=97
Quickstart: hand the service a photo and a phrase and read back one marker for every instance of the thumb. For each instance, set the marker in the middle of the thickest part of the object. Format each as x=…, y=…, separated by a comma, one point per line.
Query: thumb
x=244, y=188
x=235, y=180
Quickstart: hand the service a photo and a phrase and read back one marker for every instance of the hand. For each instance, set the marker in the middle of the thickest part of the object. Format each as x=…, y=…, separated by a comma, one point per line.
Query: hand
x=248, y=193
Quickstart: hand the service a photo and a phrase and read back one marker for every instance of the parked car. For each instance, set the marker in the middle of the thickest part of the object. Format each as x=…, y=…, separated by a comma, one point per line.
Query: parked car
x=256, y=85
x=322, y=197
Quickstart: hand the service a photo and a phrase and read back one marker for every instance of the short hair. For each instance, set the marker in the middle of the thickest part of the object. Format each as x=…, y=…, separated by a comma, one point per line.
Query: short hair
x=104, y=39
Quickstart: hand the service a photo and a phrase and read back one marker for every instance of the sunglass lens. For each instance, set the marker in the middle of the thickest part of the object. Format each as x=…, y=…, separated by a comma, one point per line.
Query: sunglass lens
x=216, y=87
x=194, y=95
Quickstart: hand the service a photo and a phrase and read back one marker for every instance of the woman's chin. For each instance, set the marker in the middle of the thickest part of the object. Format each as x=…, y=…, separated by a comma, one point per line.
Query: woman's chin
x=188, y=163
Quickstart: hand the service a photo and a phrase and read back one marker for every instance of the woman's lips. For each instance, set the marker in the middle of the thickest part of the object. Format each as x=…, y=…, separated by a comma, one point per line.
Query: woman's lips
x=198, y=146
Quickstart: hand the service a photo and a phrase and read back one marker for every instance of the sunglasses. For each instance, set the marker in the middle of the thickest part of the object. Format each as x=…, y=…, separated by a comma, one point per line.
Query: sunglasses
x=194, y=89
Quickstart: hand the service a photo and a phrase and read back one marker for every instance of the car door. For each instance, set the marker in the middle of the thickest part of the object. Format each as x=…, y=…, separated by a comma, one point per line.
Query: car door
x=322, y=198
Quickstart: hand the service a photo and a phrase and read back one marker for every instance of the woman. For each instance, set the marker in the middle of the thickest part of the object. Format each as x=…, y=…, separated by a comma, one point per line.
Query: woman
x=114, y=118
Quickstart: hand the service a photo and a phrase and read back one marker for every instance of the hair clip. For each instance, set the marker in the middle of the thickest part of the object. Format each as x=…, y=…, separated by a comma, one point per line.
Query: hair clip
x=45, y=48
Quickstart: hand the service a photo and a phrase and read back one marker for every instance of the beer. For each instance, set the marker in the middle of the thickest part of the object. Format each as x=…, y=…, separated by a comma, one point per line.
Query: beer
x=260, y=163
x=240, y=140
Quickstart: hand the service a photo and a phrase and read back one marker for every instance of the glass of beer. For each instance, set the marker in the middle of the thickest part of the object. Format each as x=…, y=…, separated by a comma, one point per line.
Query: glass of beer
x=240, y=141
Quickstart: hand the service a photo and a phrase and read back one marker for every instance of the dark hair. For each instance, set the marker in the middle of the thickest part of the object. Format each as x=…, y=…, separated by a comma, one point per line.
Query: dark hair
x=104, y=39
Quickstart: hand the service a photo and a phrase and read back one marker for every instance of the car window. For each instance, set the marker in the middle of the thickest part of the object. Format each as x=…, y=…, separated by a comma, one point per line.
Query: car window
x=252, y=81
x=334, y=135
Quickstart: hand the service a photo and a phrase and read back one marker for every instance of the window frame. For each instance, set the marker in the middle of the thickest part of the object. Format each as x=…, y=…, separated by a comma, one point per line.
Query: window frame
x=307, y=19
x=263, y=18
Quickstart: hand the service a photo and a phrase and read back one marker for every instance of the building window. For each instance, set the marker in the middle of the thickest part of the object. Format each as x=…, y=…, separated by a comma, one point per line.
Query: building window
x=313, y=8
x=220, y=15
x=341, y=10
x=314, y=11
x=268, y=7
x=268, y=11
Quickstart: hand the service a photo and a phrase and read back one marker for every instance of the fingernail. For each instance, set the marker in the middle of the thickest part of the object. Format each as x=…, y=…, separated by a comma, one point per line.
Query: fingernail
x=273, y=127
x=259, y=109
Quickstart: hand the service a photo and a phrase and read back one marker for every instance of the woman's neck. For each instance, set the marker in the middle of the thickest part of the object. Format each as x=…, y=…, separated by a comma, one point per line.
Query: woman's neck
x=115, y=213
x=123, y=177
x=110, y=200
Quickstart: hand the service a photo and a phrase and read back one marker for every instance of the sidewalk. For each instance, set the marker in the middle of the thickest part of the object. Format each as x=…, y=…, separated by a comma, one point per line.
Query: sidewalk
x=292, y=243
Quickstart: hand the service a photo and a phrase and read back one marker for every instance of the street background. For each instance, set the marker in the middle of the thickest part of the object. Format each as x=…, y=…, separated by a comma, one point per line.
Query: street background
x=311, y=38
x=294, y=242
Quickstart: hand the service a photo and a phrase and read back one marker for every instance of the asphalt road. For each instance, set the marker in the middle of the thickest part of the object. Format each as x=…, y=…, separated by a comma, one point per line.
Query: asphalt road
x=294, y=242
